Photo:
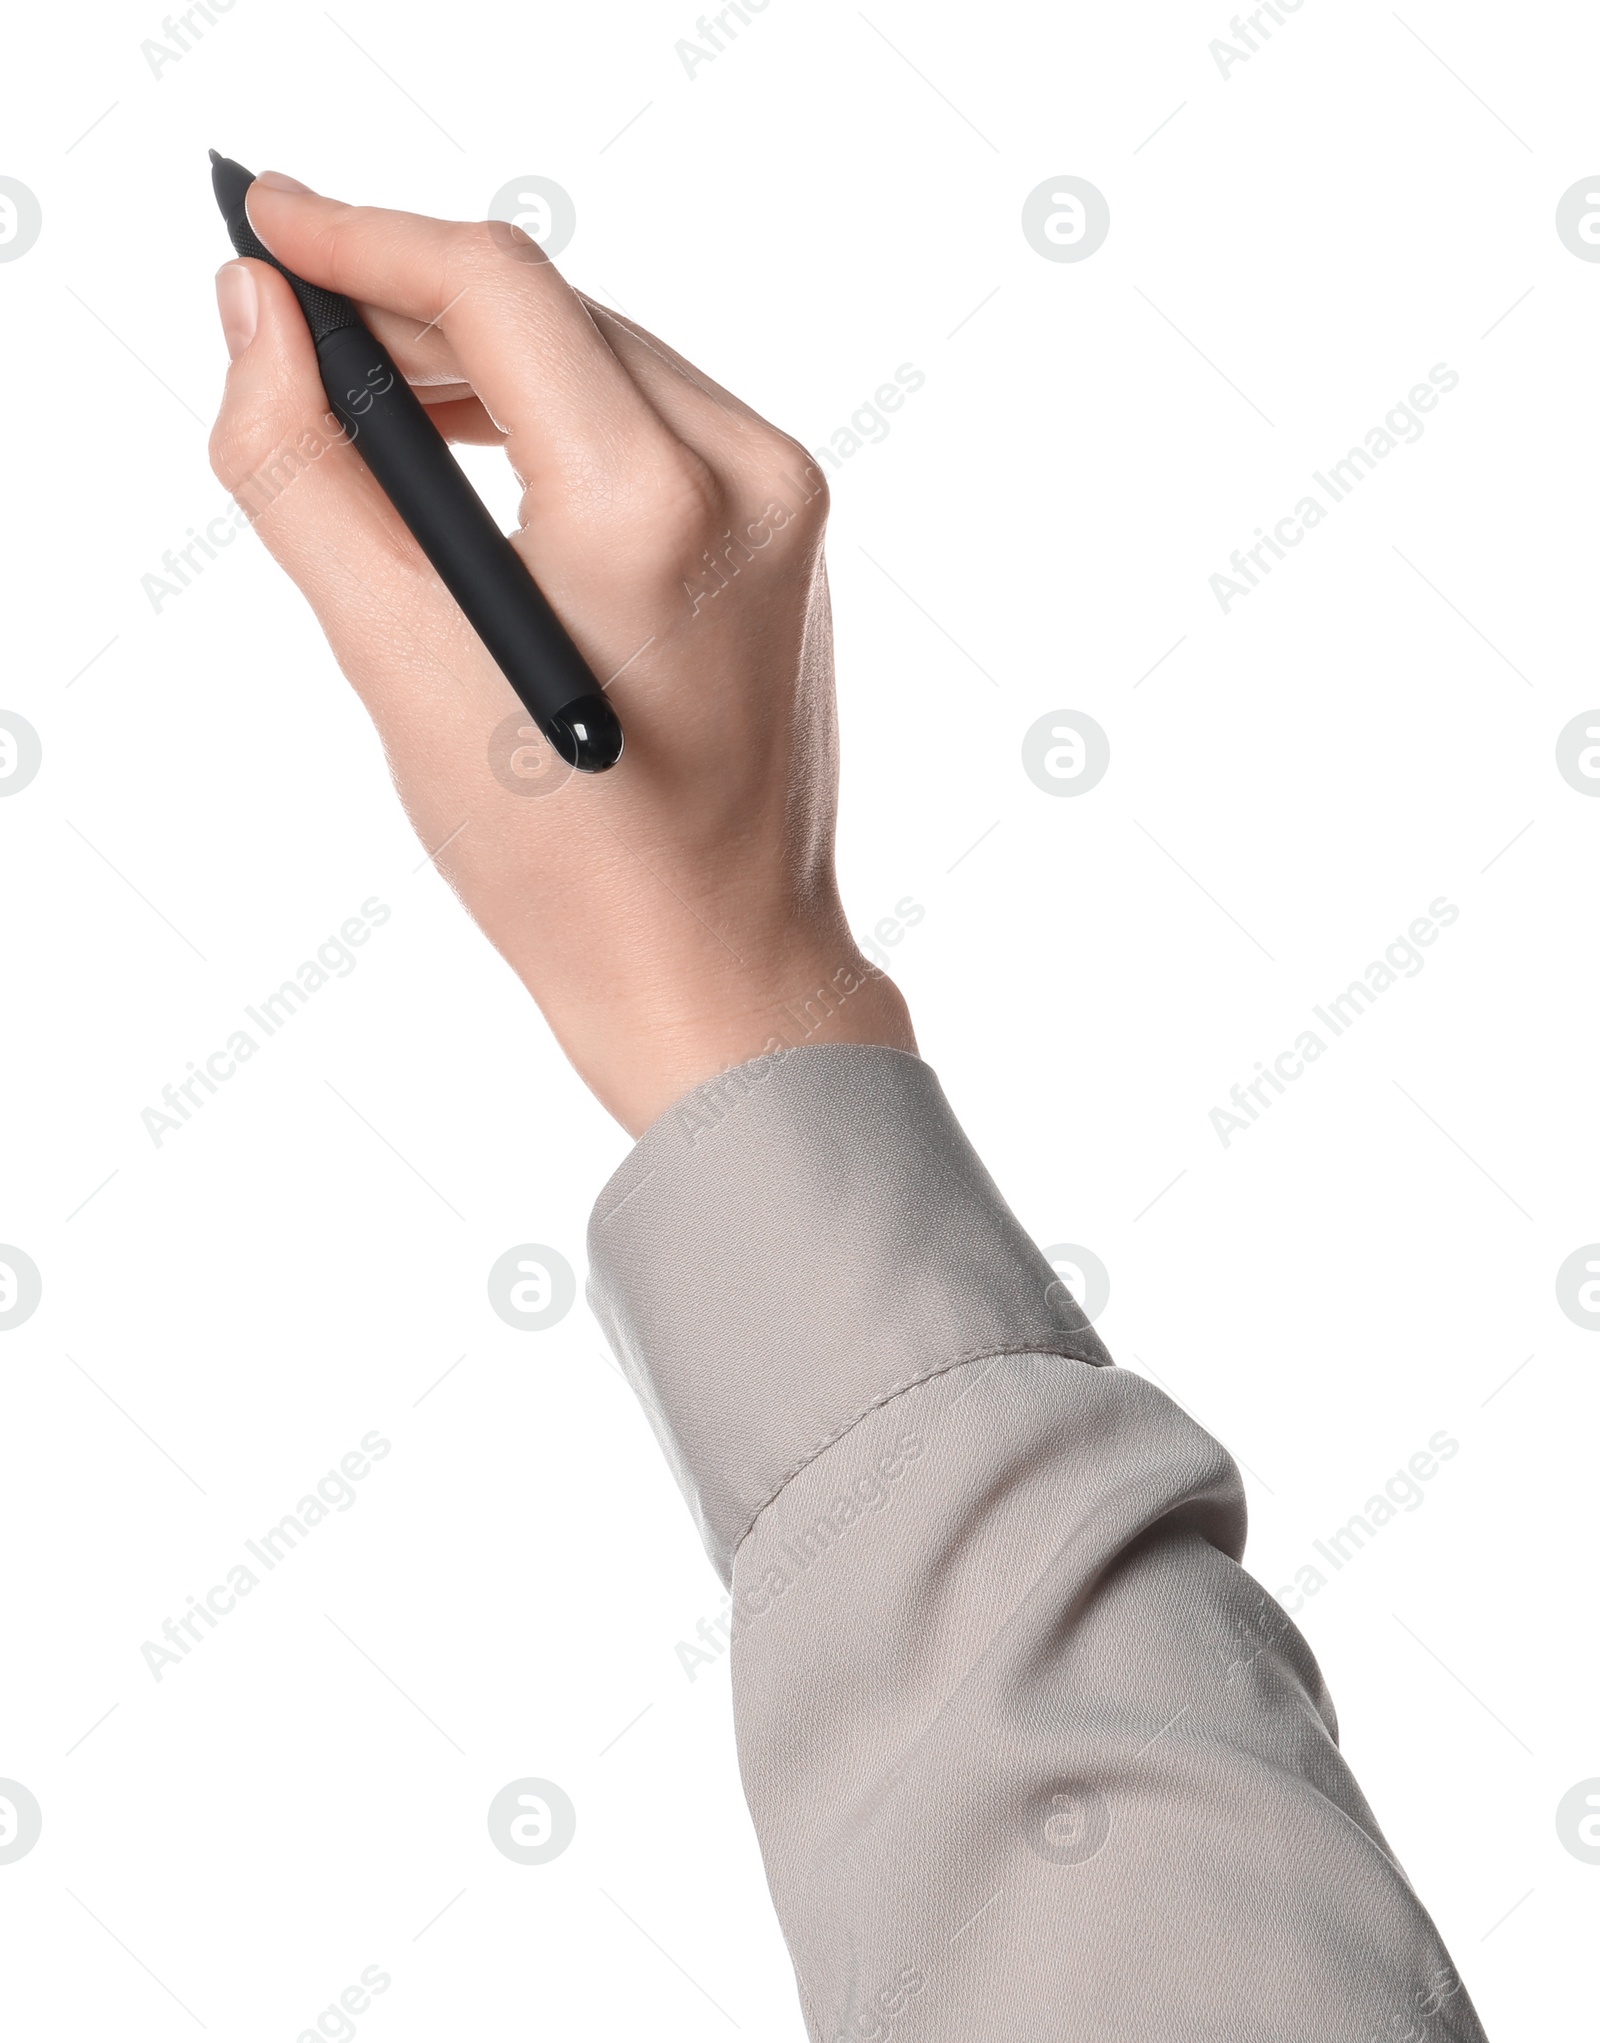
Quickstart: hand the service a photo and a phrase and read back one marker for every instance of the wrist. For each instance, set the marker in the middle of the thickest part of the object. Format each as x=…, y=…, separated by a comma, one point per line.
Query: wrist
x=816, y=994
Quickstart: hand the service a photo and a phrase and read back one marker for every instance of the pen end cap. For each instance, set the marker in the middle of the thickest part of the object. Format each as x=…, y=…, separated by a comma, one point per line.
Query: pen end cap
x=587, y=735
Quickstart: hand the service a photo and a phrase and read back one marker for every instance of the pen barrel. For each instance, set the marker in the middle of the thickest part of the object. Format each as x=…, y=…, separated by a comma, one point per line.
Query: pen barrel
x=474, y=559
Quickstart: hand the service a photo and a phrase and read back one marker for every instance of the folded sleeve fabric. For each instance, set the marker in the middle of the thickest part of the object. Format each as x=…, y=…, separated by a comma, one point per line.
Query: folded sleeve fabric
x=1028, y=1753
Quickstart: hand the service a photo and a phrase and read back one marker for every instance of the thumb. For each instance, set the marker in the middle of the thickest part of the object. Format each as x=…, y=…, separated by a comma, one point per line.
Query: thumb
x=276, y=444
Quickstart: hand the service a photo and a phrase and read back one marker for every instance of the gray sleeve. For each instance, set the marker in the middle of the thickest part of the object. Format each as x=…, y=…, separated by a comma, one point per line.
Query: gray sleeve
x=1029, y=1754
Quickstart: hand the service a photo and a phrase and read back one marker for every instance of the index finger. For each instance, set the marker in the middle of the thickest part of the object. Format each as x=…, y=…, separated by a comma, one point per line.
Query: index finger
x=519, y=331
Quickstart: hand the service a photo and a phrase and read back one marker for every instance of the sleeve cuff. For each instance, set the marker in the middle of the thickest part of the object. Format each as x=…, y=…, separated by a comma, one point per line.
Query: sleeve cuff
x=795, y=1242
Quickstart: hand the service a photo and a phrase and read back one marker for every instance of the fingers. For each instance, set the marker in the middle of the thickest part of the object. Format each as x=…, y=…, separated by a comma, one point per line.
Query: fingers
x=521, y=336
x=428, y=363
x=758, y=463
x=462, y=418
x=437, y=353
x=661, y=369
x=692, y=409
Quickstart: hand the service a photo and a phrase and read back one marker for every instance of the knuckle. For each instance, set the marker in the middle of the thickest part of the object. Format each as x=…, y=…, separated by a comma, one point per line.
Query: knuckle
x=680, y=490
x=463, y=251
x=658, y=502
x=675, y=505
x=783, y=476
x=813, y=512
x=479, y=241
x=477, y=255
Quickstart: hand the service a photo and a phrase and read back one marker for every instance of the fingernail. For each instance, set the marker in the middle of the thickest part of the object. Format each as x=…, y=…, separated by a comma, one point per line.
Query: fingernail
x=237, y=306
x=275, y=180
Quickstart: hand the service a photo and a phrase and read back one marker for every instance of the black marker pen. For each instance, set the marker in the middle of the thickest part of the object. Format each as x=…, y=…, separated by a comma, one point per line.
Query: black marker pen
x=476, y=562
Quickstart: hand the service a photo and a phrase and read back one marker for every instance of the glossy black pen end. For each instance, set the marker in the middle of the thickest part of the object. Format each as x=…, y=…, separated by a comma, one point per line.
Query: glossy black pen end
x=587, y=735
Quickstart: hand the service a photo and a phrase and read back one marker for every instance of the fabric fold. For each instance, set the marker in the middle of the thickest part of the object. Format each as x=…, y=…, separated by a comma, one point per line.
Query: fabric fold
x=794, y=1242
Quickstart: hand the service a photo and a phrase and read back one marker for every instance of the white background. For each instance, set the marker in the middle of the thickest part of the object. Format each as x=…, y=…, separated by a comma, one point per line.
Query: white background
x=833, y=196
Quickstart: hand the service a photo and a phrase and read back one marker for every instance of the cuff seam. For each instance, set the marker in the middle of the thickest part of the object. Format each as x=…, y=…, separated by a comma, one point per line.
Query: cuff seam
x=989, y=1351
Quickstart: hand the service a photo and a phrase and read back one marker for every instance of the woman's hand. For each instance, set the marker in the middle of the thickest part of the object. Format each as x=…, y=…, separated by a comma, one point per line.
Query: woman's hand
x=680, y=913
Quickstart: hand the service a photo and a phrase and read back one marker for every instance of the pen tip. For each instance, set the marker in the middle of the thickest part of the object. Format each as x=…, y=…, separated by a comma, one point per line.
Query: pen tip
x=229, y=181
